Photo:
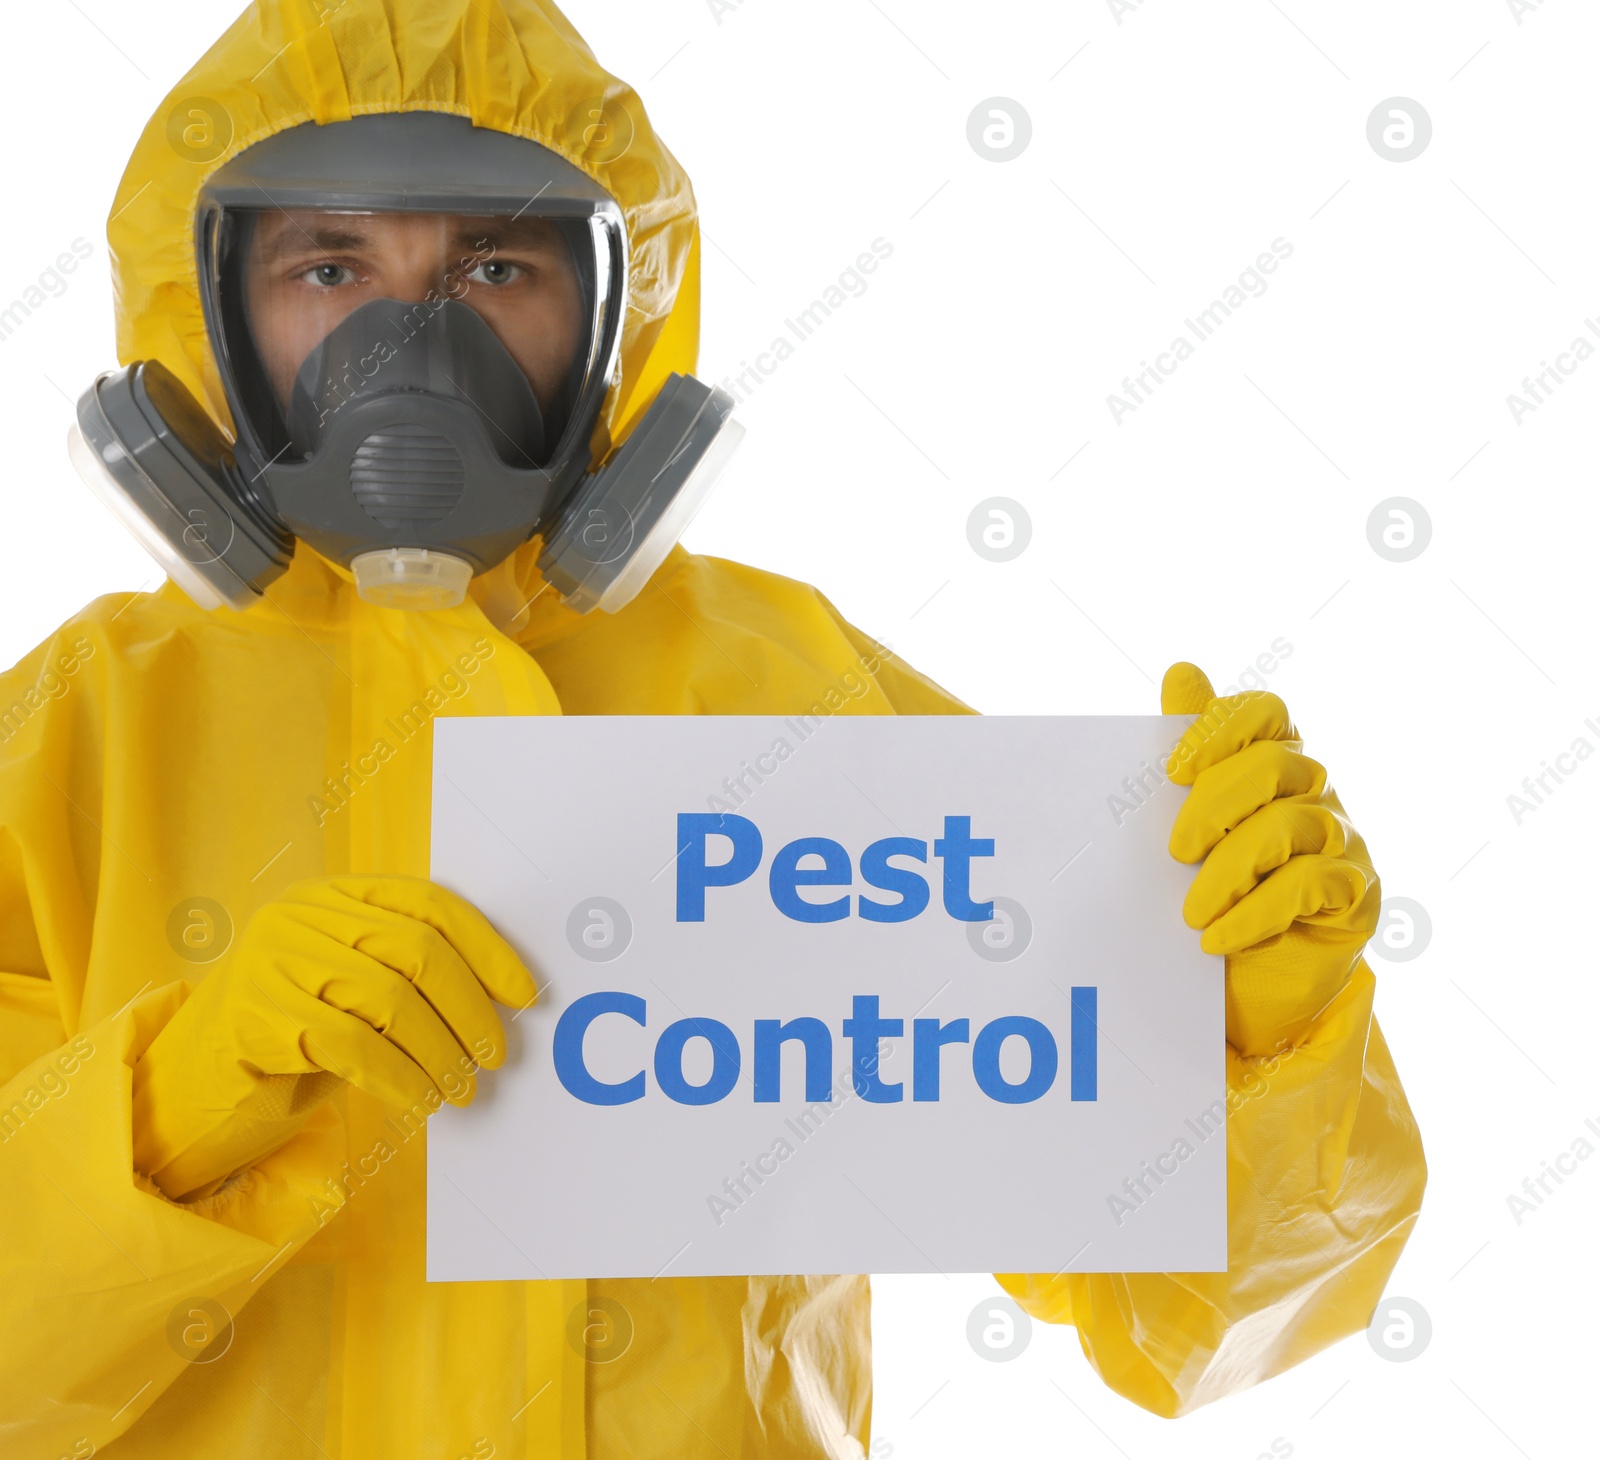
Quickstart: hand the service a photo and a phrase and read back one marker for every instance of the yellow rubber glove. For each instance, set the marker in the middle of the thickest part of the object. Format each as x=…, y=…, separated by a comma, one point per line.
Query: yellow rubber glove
x=1286, y=889
x=382, y=981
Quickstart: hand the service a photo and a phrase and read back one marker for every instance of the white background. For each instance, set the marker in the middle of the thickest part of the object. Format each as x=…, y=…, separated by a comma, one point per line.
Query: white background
x=1167, y=152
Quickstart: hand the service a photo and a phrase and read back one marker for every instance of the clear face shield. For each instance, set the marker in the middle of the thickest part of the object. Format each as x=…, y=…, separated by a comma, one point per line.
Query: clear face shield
x=407, y=368
x=416, y=322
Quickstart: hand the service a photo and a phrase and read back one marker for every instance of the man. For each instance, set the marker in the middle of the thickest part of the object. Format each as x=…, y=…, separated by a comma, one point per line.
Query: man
x=229, y=997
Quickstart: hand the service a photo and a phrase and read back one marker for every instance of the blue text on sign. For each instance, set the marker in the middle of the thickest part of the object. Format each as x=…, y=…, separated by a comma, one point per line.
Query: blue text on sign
x=955, y=849
x=864, y=1028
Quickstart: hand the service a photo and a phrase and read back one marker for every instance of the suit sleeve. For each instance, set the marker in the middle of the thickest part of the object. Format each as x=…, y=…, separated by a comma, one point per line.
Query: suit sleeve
x=1325, y=1180
x=100, y=1271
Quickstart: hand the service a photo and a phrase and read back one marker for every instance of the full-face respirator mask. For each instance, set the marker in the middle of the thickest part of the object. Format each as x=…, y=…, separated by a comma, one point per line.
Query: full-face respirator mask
x=416, y=322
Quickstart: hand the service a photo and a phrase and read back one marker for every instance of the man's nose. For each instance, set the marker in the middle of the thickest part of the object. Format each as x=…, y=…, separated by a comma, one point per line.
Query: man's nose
x=420, y=279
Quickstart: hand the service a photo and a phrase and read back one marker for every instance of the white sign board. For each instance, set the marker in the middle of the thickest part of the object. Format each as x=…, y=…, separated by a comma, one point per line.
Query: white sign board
x=839, y=995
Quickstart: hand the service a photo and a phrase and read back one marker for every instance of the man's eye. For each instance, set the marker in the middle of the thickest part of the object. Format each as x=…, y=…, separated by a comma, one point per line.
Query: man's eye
x=328, y=276
x=495, y=271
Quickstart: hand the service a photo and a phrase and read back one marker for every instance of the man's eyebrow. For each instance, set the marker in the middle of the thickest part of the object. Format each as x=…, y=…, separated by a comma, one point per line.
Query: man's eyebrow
x=294, y=239
x=507, y=233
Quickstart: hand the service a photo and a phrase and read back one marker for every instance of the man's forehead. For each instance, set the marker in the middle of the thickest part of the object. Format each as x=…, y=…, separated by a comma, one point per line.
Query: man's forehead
x=286, y=230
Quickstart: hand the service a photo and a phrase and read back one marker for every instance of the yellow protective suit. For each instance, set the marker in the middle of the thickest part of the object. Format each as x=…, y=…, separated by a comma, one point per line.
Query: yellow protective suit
x=164, y=772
